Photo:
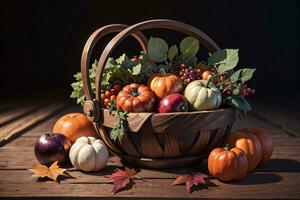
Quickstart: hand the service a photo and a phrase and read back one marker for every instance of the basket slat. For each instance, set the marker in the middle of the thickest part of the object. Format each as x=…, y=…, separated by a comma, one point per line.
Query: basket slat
x=151, y=148
x=200, y=144
x=171, y=148
x=215, y=139
x=127, y=146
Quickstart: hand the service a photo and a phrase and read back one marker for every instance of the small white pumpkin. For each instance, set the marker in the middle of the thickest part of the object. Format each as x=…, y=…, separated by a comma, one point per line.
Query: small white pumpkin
x=88, y=154
x=203, y=95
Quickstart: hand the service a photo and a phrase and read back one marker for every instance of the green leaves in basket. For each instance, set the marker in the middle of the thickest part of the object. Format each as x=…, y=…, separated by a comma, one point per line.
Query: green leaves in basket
x=238, y=102
x=189, y=47
x=242, y=75
x=157, y=49
x=78, y=92
x=121, y=126
x=225, y=59
x=173, y=52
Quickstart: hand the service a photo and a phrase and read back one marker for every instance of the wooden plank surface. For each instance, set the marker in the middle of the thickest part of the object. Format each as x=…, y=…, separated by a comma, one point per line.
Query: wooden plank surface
x=284, y=115
x=17, y=127
x=279, y=179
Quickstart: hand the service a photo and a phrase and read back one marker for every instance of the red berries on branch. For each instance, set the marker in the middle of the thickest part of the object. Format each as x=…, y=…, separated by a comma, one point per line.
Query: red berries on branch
x=237, y=89
x=110, y=94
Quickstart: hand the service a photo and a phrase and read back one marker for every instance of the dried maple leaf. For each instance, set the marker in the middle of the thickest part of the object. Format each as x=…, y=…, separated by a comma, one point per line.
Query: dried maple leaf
x=120, y=178
x=51, y=172
x=190, y=179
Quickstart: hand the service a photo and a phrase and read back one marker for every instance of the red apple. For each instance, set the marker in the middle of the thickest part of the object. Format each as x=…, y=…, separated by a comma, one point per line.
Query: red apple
x=51, y=147
x=173, y=103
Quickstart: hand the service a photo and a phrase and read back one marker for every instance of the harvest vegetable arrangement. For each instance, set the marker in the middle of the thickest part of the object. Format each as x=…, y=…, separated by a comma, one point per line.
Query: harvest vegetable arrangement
x=163, y=80
x=169, y=80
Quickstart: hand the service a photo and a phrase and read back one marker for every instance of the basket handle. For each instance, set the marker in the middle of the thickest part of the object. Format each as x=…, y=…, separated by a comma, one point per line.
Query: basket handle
x=157, y=23
x=89, y=46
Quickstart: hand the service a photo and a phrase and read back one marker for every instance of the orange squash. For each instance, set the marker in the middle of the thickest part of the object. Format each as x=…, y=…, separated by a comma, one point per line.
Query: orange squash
x=249, y=144
x=265, y=140
x=136, y=98
x=164, y=84
x=227, y=164
x=74, y=125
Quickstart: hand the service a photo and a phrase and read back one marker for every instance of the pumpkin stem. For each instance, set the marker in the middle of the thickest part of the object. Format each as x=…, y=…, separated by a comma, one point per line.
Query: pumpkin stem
x=208, y=81
x=227, y=147
x=134, y=91
x=89, y=141
x=163, y=71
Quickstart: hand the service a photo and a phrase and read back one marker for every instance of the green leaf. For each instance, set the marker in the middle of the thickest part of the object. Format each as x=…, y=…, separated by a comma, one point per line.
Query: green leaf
x=226, y=59
x=122, y=58
x=157, y=49
x=110, y=63
x=122, y=125
x=188, y=60
x=116, y=131
x=189, y=46
x=243, y=75
x=238, y=102
x=173, y=51
x=136, y=70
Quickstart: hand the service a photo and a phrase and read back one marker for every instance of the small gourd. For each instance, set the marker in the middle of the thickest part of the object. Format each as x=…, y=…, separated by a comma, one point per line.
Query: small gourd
x=202, y=95
x=249, y=144
x=88, y=154
x=227, y=164
x=265, y=140
x=164, y=84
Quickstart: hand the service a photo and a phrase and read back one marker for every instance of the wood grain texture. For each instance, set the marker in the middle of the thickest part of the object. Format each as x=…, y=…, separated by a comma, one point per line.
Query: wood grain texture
x=18, y=111
x=17, y=127
x=280, y=178
x=281, y=115
x=252, y=187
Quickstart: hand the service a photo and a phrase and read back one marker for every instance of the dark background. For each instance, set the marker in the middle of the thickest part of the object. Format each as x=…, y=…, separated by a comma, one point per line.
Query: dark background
x=41, y=41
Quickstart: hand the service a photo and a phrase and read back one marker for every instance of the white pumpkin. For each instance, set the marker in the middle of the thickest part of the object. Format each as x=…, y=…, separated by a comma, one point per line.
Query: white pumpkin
x=88, y=154
x=203, y=95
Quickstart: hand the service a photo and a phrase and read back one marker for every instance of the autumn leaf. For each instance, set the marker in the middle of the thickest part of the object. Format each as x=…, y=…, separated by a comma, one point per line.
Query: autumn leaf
x=51, y=172
x=121, y=178
x=190, y=179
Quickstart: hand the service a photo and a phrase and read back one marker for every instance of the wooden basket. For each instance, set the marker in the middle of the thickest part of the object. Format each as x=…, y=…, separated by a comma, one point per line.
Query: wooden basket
x=155, y=140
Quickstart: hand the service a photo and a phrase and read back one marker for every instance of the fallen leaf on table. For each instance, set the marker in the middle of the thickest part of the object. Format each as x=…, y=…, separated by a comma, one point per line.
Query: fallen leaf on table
x=190, y=179
x=51, y=172
x=121, y=178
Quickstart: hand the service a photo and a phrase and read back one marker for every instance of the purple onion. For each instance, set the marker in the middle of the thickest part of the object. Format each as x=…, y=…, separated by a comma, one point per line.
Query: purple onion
x=51, y=147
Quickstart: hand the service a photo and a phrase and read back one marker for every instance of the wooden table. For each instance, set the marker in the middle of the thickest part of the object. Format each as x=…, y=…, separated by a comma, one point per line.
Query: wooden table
x=21, y=124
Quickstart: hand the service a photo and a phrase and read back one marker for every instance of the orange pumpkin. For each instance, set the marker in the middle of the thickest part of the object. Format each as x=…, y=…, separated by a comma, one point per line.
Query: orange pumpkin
x=164, y=84
x=265, y=140
x=136, y=98
x=74, y=125
x=228, y=164
x=249, y=144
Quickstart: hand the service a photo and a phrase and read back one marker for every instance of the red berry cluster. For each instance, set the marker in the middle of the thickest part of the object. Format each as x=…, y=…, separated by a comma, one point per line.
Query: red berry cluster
x=245, y=90
x=110, y=94
x=188, y=74
x=237, y=89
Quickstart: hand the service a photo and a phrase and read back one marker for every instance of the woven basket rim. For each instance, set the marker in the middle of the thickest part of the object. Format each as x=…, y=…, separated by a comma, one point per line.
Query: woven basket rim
x=181, y=113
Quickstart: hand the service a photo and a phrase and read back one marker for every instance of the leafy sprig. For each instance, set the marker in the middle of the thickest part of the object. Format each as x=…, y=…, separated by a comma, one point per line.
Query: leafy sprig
x=78, y=92
x=225, y=61
x=121, y=126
